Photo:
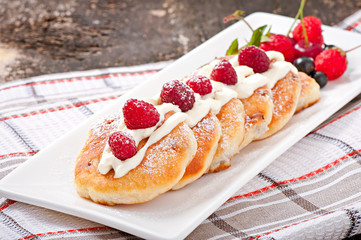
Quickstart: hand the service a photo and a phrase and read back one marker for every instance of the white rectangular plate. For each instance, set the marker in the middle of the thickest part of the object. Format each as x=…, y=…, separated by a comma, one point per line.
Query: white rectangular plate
x=46, y=179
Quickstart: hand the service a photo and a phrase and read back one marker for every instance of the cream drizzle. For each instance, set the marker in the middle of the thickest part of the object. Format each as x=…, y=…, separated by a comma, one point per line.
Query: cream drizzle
x=247, y=83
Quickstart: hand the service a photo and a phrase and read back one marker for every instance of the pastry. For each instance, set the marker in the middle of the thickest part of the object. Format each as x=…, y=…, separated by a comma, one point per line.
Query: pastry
x=231, y=117
x=310, y=92
x=285, y=95
x=162, y=167
x=258, y=108
x=207, y=133
x=194, y=126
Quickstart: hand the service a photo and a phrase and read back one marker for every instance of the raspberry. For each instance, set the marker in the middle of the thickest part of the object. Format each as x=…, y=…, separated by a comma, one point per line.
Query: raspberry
x=255, y=58
x=225, y=73
x=122, y=145
x=200, y=84
x=281, y=44
x=313, y=30
x=179, y=94
x=139, y=114
x=331, y=62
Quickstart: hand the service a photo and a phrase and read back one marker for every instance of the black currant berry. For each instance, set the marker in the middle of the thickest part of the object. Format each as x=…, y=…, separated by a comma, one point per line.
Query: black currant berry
x=320, y=78
x=328, y=46
x=305, y=64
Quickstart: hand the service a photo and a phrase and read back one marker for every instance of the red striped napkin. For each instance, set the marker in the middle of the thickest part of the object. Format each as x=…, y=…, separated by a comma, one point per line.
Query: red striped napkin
x=309, y=192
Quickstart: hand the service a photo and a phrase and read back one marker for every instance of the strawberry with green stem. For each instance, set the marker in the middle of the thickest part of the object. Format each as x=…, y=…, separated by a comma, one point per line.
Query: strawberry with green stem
x=266, y=41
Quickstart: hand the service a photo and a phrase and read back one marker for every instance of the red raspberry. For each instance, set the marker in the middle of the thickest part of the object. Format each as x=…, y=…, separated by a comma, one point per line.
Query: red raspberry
x=179, y=94
x=281, y=44
x=255, y=58
x=122, y=145
x=331, y=62
x=313, y=30
x=225, y=73
x=200, y=84
x=139, y=114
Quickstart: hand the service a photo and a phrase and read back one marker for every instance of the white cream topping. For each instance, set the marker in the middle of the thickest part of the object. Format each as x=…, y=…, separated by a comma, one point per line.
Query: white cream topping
x=275, y=55
x=277, y=71
x=109, y=161
x=207, y=69
x=247, y=83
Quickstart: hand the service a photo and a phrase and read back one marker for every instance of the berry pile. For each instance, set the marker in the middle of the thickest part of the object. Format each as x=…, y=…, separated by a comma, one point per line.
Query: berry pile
x=139, y=114
x=303, y=45
x=313, y=57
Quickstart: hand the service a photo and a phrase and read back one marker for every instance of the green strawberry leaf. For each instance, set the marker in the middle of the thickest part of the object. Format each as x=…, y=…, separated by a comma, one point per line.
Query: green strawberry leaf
x=233, y=49
x=257, y=36
x=265, y=38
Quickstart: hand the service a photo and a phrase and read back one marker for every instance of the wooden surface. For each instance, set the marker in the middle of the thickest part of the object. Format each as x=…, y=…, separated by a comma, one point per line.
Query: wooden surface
x=40, y=36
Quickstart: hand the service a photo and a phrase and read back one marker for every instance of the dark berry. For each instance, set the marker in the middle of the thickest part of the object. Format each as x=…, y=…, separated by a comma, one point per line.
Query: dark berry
x=305, y=64
x=139, y=114
x=122, y=145
x=328, y=46
x=320, y=78
x=200, y=84
x=310, y=50
x=254, y=58
x=179, y=94
x=224, y=72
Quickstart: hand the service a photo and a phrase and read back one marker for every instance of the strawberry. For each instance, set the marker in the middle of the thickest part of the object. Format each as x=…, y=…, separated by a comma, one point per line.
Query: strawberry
x=313, y=30
x=280, y=43
x=331, y=62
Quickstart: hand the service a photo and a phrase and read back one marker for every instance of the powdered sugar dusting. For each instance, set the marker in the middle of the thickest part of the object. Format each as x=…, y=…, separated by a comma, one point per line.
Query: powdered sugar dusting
x=107, y=123
x=245, y=86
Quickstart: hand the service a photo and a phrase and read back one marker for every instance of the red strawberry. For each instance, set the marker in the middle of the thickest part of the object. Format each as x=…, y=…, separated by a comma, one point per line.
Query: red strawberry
x=255, y=58
x=225, y=73
x=122, y=145
x=139, y=114
x=200, y=84
x=313, y=30
x=331, y=62
x=280, y=43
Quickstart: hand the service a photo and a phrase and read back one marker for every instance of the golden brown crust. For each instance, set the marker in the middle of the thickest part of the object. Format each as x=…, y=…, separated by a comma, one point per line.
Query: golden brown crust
x=185, y=154
x=231, y=117
x=285, y=96
x=162, y=167
x=258, y=109
x=207, y=133
x=310, y=92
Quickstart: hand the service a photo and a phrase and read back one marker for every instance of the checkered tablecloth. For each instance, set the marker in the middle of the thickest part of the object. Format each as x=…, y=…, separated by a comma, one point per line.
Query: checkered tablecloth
x=312, y=191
